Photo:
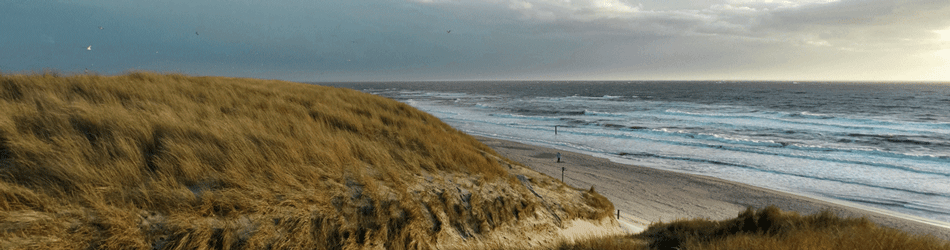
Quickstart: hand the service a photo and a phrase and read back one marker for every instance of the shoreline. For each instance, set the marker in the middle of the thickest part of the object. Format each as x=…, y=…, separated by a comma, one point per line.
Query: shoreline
x=646, y=195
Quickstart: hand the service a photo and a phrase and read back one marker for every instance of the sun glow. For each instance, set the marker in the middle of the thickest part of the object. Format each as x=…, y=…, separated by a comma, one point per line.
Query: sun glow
x=943, y=56
x=944, y=34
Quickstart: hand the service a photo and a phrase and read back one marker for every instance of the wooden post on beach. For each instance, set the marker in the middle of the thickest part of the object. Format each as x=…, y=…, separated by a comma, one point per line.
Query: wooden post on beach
x=618, y=214
x=562, y=174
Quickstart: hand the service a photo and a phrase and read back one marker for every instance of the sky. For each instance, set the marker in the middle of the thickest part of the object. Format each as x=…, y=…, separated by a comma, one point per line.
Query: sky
x=435, y=40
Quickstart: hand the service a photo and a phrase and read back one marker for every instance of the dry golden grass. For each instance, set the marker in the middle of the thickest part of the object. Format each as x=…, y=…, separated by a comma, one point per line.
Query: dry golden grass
x=767, y=228
x=152, y=161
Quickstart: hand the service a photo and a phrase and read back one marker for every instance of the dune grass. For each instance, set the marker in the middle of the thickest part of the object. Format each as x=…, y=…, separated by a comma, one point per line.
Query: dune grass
x=125, y=131
x=767, y=228
x=167, y=161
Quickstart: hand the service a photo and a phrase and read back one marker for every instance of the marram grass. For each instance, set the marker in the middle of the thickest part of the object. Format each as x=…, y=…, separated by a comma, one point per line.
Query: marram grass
x=166, y=161
x=766, y=229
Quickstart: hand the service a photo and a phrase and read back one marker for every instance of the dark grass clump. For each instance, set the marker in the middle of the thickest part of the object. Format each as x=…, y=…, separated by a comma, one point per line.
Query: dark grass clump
x=767, y=228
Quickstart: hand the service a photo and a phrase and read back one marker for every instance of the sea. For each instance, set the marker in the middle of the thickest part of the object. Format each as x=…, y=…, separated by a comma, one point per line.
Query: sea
x=876, y=144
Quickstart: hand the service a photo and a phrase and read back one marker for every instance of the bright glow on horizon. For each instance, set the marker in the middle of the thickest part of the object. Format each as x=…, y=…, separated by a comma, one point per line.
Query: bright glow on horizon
x=944, y=34
x=941, y=72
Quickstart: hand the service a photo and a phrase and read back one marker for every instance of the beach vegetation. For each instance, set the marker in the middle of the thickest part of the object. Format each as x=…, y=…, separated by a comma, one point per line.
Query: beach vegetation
x=168, y=161
x=766, y=228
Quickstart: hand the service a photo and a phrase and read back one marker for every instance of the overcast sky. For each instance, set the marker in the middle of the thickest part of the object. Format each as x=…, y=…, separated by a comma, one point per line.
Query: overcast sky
x=395, y=40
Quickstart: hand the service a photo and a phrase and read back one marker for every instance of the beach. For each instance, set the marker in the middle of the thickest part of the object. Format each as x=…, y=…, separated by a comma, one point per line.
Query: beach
x=870, y=145
x=646, y=195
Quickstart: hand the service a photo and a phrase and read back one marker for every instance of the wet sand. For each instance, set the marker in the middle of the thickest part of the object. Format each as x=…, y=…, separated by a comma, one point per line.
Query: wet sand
x=646, y=195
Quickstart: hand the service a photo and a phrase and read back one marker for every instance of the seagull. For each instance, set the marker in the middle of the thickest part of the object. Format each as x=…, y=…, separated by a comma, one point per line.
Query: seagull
x=196, y=33
x=450, y=31
x=89, y=48
x=100, y=27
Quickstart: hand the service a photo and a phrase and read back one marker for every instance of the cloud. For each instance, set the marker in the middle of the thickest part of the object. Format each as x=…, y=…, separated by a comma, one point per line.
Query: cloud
x=863, y=25
x=943, y=34
x=771, y=4
x=584, y=10
x=815, y=36
x=844, y=24
x=490, y=39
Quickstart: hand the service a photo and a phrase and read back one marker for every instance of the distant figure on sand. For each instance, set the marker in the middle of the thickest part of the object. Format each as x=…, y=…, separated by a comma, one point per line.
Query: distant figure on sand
x=558, y=156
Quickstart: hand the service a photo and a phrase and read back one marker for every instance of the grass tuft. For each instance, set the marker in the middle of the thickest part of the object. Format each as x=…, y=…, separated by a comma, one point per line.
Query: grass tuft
x=767, y=228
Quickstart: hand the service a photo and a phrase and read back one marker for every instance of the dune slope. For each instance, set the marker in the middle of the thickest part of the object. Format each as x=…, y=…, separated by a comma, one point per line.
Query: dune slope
x=155, y=161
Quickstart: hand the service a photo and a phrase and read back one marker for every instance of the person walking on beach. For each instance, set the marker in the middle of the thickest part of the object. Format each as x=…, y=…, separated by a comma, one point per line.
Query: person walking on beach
x=558, y=156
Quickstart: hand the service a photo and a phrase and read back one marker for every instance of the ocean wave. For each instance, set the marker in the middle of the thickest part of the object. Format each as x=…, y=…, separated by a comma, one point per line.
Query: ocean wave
x=744, y=141
x=544, y=112
x=838, y=179
x=621, y=126
x=828, y=123
x=796, y=150
x=599, y=113
x=890, y=202
x=748, y=114
x=690, y=137
x=445, y=94
x=932, y=208
x=810, y=115
x=483, y=105
x=681, y=112
x=905, y=139
x=526, y=117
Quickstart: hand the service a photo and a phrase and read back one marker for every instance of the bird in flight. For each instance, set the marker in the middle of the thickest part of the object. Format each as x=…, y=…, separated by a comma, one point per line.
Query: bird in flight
x=89, y=48
x=100, y=27
x=196, y=33
x=450, y=31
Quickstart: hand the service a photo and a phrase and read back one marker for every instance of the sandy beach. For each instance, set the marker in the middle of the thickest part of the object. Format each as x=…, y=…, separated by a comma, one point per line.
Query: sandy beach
x=646, y=195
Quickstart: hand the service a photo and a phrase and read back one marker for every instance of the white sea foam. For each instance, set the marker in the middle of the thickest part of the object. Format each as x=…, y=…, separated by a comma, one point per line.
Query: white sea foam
x=600, y=113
